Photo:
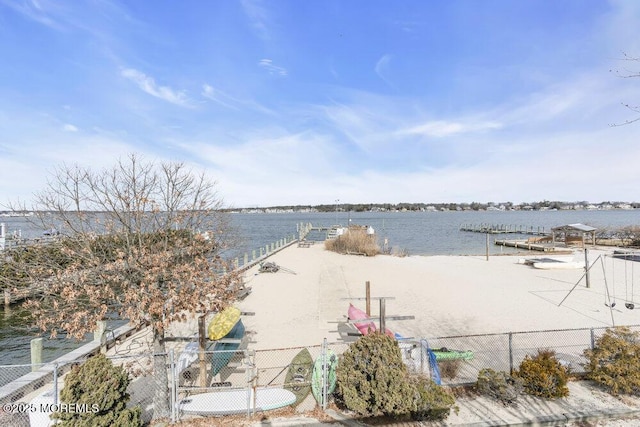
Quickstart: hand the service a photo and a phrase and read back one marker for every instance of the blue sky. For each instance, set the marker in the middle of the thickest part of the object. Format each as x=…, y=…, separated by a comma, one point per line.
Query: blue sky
x=306, y=102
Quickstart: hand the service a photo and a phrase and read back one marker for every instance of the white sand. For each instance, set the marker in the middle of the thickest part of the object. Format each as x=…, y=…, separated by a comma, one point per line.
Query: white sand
x=448, y=295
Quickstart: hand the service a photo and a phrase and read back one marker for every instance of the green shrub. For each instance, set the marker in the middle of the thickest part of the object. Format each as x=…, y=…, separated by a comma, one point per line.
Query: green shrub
x=499, y=386
x=614, y=361
x=100, y=390
x=372, y=379
x=543, y=375
x=432, y=402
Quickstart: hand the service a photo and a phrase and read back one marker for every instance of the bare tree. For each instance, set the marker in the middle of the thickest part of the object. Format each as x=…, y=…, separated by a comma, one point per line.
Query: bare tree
x=140, y=241
x=627, y=74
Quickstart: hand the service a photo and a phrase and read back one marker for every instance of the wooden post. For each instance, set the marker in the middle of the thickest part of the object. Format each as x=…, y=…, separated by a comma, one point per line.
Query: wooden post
x=101, y=327
x=368, y=296
x=487, y=247
x=586, y=267
x=383, y=323
x=202, y=343
x=7, y=297
x=36, y=353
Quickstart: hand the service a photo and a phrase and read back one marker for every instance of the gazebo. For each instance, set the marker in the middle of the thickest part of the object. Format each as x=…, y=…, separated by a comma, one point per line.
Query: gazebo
x=573, y=233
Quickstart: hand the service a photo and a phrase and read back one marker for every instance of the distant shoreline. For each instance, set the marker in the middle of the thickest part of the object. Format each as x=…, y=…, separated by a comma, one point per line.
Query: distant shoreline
x=438, y=207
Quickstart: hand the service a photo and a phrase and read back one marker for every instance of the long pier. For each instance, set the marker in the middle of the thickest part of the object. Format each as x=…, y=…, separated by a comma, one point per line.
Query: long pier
x=505, y=229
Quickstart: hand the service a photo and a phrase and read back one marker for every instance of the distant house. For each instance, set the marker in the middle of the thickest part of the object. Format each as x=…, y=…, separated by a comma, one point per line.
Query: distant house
x=574, y=233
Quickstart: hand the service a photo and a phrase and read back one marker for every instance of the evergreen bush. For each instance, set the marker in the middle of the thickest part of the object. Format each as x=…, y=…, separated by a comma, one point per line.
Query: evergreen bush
x=499, y=386
x=372, y=380
x=614, y=362
x=543, y=375
x=99, y=389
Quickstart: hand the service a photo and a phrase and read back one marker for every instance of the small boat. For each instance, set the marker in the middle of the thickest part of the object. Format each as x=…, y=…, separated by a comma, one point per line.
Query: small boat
x=298, y=378
x=51, y=232
x=229, y=402
x=223, y=350
x=552, y=263
x=444, y=353
x=626, y=255
x=329, y=363
x=187, y=356
x=223, y=322
x=366, y=327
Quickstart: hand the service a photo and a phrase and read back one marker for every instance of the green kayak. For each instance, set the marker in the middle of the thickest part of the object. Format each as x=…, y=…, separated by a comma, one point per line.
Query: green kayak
x=444, y=353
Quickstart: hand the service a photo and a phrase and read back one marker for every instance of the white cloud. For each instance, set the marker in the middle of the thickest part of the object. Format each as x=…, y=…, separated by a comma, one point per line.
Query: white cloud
x=148, y=85
x=69, y=128
x=268, y=65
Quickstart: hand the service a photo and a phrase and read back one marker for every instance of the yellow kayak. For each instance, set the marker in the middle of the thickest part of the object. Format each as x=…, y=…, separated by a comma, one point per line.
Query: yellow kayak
x=223, y=322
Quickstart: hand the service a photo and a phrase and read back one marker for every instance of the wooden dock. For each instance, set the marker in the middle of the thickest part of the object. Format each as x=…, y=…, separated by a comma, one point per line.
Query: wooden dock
x=505, y=229
x=533, y=245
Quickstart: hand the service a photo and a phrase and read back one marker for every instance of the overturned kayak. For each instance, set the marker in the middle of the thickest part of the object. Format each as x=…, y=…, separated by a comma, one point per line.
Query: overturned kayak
x=444, y=353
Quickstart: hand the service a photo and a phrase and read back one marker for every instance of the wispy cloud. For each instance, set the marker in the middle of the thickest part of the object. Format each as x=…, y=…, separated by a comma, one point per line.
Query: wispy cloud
x=382, y=68
x=148, y=85
x=231, y=102
x=268, y=65
x=36, y=10
x=258, y=17
x=219, y=97
x=69, y=128
x=442, y=128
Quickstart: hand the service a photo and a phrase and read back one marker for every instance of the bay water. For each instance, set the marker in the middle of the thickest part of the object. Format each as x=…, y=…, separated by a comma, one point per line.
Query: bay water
x=412, y=233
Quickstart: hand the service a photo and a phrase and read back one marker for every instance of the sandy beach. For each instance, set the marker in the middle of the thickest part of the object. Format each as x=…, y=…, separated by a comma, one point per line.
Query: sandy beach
x=448, y=295
x=307, y=301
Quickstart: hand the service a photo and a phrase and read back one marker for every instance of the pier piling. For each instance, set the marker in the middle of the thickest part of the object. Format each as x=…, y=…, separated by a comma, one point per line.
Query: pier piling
x=101, y=327
x=36, y=353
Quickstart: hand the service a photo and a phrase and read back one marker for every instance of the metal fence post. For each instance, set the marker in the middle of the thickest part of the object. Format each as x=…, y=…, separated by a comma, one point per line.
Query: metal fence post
x=325, y=376
x=55, y=383
x=593, y=339
x=511, y=353
x=174, y=386
x=250, y=387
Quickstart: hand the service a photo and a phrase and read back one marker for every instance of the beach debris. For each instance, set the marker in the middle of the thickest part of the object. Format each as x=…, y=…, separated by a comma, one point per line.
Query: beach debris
x=272, y=267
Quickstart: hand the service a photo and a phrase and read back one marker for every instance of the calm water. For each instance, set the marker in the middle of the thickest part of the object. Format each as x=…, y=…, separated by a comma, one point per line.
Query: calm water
x=418, y=233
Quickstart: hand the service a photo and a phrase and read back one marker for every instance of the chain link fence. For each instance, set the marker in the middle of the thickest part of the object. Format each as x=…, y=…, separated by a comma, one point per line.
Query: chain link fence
x=178, y=385
x=464, y=356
